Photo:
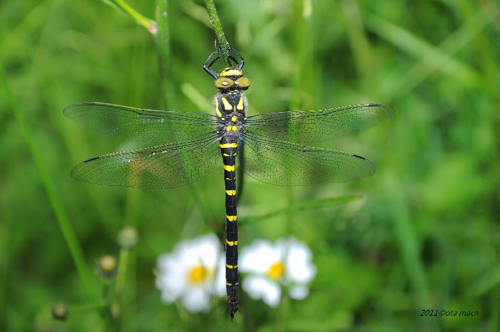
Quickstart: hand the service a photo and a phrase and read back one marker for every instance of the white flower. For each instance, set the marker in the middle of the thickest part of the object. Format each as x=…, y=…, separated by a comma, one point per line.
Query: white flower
x=193, y=272
x=270, y=266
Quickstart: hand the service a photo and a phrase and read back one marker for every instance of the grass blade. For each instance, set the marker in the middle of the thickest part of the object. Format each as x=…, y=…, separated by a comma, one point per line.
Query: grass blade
x=54, y=197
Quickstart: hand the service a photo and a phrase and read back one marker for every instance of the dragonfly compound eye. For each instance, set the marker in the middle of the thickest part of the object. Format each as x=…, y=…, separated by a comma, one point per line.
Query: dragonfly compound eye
x=223, y=83
x=243, y=82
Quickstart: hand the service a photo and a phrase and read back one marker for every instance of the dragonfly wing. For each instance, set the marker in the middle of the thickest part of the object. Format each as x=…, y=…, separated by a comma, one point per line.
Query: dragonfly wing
x=162, y=166
x=320, y=125
x=283, y=163
x=140, y=124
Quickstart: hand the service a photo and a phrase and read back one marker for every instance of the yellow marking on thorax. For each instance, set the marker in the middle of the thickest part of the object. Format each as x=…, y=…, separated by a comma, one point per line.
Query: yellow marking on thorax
x=230, y=168
x=219, y=114
x=232, y=243
x=231, y=192
x=232, y=218
x=240, y=105
x=231, y=72
x=228, y=145
x=227, y=105
x=234, y=118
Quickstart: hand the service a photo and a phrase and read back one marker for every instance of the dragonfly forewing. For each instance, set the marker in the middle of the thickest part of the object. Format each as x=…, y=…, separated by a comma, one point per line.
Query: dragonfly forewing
x=319, y=125
x=141, y=125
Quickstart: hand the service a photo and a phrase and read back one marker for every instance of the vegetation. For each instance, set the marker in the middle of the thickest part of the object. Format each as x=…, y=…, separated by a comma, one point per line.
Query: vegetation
x=422, y=234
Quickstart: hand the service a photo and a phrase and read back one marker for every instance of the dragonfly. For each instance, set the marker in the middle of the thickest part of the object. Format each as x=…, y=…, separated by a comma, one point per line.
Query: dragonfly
x=270, y=147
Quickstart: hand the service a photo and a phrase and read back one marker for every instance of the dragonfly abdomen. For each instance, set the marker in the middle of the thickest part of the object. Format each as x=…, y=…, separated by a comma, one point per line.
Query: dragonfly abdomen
x=228, y=151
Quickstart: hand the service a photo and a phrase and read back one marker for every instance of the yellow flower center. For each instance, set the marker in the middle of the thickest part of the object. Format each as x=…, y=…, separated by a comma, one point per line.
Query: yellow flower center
x=276, y=271
x=198, y=274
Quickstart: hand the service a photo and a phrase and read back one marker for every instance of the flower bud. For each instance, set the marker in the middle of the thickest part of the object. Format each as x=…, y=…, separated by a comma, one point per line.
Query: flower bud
x=127, y=238
x=106, y=266
x=60, y=311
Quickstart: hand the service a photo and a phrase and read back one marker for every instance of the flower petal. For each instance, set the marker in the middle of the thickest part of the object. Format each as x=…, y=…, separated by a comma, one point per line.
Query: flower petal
x=262, y=288
x=258, y=257
x=171, y=276
x=208, y=249
x=196, y=299
x=299, y=292
x=299, y=266
x=175, y=268
x=174, y=287
x=220, y=278
x=167, y=296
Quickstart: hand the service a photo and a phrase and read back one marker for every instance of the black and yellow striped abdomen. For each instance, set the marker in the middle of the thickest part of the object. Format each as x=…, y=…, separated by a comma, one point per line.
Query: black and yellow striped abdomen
x=228, y=151
x=230, y=110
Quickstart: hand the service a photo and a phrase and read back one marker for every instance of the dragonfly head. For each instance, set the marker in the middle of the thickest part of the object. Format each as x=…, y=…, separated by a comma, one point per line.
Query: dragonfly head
x=231, y=78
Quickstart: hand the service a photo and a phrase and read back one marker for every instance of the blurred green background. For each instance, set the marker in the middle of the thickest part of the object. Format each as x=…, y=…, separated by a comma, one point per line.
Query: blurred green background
x=424, y=235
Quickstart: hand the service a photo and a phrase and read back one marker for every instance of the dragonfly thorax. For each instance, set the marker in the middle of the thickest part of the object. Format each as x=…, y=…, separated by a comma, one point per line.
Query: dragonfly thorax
x=230, y=109
x=231, y=78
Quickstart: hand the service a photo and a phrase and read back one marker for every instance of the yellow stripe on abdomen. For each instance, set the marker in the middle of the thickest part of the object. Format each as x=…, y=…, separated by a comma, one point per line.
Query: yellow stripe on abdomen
x=228, y=145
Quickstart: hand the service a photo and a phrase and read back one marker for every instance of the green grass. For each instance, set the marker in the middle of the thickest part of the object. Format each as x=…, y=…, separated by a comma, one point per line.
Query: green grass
x=424, y=234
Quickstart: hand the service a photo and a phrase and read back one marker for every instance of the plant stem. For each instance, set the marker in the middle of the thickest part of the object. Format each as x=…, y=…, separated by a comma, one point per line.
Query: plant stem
x=302, y=206
x=54, y=197
x=87, y=306
x=140, y=19
x=166, y=73
x=304, y=25
x=219, y=32
x=120, y=282
x=303, y=51
x=164, y=54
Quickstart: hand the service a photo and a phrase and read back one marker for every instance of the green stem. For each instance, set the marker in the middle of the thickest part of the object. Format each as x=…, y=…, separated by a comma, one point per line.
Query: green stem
x=219, y=32
x=140, y=19
x=164, y=53
x=495, y=306
x=303, y=52
x=292, y=209
x=120, y=282
x=165, y=64
x=87, y=306
x=107, y=311
x=410, y=249
x=54, y=197
x=304, y=49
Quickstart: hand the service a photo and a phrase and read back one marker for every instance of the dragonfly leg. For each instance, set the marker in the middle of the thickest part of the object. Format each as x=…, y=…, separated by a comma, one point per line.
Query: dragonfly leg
x=208, y=65
x=242, y=63
x=215, y=56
